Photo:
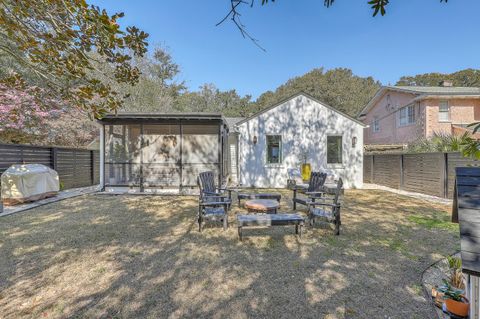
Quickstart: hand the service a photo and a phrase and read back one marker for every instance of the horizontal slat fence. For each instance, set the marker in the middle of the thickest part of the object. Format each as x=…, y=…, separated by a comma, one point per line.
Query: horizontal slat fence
x=75, y=167
x=424, y=173
x=367, y=169
x=427, y=173
x=386, y=170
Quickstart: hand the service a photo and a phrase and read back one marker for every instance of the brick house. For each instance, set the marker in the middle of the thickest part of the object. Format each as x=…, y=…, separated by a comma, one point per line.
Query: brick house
x=402, y=114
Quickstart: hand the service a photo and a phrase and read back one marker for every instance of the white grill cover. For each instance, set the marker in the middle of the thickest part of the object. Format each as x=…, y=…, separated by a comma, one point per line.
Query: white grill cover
x=28, y=182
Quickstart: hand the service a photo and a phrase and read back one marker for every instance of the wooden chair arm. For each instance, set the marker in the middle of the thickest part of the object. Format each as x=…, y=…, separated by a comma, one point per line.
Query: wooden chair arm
x=206, y=204
x=299, y=188
x=315, y=193
x=322, y=204
x=218, y=198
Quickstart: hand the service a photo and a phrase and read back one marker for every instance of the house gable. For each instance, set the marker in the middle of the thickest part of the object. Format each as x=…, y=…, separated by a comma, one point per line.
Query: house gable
x=306, y=96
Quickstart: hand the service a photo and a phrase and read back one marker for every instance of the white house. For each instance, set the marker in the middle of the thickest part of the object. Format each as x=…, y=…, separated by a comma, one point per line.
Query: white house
x=150, y=152
x=264, y=147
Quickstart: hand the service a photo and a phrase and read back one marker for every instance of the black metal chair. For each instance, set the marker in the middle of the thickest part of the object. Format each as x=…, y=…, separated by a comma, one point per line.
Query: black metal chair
x=317, y=180
x=212, y=207
x=330, y=207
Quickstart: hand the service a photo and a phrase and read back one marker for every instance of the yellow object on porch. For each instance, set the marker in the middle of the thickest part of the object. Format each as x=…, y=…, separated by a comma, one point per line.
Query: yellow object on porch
x=306, y=171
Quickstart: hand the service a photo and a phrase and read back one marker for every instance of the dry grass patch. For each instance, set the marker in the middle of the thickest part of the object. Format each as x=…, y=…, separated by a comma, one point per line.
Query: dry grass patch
x=130, y=256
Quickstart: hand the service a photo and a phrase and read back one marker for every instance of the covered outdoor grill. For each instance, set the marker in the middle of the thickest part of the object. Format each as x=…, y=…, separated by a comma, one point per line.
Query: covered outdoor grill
x=145, y=152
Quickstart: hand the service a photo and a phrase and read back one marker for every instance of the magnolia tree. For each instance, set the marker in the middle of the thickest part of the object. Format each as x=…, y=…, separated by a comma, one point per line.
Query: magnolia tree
x=48, y=43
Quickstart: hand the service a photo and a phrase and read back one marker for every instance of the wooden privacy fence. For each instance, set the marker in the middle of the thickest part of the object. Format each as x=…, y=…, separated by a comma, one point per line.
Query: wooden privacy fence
x=427, y=173
x=75, y=167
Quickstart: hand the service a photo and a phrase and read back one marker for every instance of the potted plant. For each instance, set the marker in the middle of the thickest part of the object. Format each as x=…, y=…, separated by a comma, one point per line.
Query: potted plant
x=456, y=275
x=455, y=301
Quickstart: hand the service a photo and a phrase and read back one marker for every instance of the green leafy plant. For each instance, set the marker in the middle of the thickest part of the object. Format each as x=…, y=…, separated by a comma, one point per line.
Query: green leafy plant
x=454, y=263
x=451, y=292
x=456, y=275
x=440, y=142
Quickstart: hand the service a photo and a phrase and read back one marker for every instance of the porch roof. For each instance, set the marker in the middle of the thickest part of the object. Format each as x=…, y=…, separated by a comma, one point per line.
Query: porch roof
x=160, y=117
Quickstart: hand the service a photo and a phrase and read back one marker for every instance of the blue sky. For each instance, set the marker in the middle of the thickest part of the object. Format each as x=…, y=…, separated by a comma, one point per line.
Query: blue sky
x=416, y=36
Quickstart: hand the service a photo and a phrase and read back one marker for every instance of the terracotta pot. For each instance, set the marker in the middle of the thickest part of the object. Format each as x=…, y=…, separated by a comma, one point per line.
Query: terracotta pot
x=437, y=297
x=459, y=308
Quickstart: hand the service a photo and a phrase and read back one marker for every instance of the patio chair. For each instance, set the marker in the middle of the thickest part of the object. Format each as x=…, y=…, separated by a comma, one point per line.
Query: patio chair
x=211, y=207
x=315, y=184
x=208, y=188
x=329, y=209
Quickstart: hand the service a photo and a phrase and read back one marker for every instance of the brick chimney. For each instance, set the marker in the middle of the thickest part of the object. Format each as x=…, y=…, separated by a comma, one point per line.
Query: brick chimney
x=446, y=83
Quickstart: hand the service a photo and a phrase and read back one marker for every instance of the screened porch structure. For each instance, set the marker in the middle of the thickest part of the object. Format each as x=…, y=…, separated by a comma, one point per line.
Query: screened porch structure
x=144, y=152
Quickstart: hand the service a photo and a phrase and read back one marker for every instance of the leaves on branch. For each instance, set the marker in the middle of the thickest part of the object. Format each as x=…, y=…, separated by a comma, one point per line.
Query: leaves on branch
x=53, y=39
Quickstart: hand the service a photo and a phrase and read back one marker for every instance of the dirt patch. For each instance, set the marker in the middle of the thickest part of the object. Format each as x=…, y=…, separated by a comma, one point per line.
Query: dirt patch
x=142, y=256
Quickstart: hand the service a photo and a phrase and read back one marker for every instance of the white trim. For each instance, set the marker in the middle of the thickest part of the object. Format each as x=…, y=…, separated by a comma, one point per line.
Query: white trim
x=307, y=96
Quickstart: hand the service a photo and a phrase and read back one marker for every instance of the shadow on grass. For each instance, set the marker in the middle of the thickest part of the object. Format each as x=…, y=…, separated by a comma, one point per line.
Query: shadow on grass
x=130, y=256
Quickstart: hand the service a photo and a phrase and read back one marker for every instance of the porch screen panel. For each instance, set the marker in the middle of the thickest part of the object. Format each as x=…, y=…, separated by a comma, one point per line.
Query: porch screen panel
x=161, y=155
x=122, y=155
x=200, y=151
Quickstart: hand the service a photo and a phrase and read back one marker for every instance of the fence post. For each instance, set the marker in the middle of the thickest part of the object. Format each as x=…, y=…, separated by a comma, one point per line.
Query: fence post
x=372, y=172
x=54, y=152
x=401, y=171
x=445, y=175
x=22, y=157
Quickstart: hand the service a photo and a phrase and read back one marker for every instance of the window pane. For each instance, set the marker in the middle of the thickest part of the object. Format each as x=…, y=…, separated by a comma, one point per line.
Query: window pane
x=161, y=143
x=334, y=149
x=200, y=152
x=376, y=125
x=443, y=111
x=122, y=144
x=443, y=106
x=443, y=116
x=403, y=116
x=274, y=149
x=200, y=144
x=411, y=114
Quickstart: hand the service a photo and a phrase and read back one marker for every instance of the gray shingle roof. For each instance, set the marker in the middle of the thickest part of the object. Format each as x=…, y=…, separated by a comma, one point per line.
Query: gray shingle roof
x=231, y=121
x=423, y=92
x=438, y=89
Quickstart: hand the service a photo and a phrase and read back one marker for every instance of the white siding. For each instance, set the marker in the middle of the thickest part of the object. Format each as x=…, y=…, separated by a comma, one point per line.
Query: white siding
x=304, y=126
x=232, y=158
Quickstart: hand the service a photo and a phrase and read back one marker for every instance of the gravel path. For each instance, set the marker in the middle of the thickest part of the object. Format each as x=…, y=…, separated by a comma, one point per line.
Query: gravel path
x=142, y=257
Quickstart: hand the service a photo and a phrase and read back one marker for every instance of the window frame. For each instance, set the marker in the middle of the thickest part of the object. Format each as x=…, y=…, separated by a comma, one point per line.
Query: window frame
x=280, y=150
x=409, y=112
x=341, y=150
x=440, y=120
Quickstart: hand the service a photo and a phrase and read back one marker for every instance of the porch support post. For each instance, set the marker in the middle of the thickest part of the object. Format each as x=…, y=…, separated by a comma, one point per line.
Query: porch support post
x=102, y=157
x=220, y=155
x=180, y=186
x=141, y=158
